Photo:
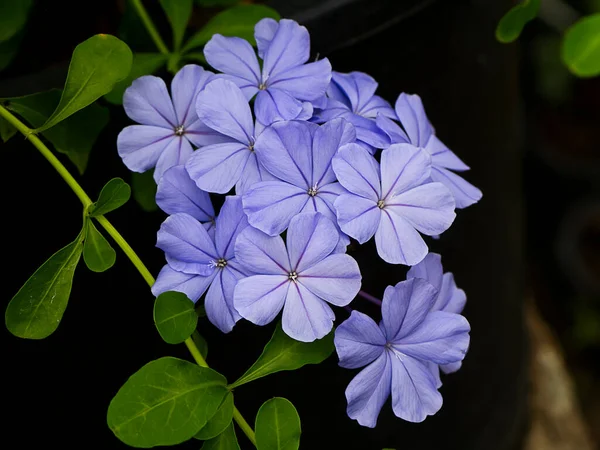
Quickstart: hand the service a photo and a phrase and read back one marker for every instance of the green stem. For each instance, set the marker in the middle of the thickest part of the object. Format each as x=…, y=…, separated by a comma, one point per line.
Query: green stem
x=247, y=429
x=152, y=31
x=112, y=231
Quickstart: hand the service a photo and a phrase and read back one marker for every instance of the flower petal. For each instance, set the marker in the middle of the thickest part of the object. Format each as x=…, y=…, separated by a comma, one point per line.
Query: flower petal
x=336, y=279
x=284, y=149
x=410, y=112
x=219, y=300
x=328, y=138
x=187, y=245
x=306, y=82
x=429, y=208
x=200, y=134
x=451, y=298
x=451, y=368
x=305, y=316
x=223, y=107
x=264, y=31
x=441, y=338
x=260, y=253
x=289, y=48
x=358, y=341
x=332, y=110
x=274, y=105
x=270, y=205
x=358, y=171
x=442, y=156
x=429, y=269
x=414, y=392
x=310, y=238
x=176, y=153
x=358, y=87
x=147, y=102
x=216, y=168
x=377, y=106
x=405, y=306
x=140, y=146
x=177, y=193
x=368, y=391
x=465, y=194
x=186, y=84
x=397, y=241
x=392, y=129
x=191, y=285
x=230, y=223
x=235, y=57
x=358, y=217
x=403, y=166
x=253, y=173
x=259, y=298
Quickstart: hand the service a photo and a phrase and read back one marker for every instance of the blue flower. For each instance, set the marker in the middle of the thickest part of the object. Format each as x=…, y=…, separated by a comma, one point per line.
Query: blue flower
x=299, y=155
x=397, y=353
x=352, y=96
x=232, y=161
x=419, y=132
x=449, y=297
x=285, y=83
x=168, y=127
x=301, y=279
x=196, y=262
x=177, y=193
x=393, y=202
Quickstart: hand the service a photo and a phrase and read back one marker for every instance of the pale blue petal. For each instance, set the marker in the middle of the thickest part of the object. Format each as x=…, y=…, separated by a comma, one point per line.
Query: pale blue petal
x=451, y=298
x=235, y=57
x=442, y=156
x=358, y=171
x=259, y=298
x=219, y=300
x=410, y=111
x=274, y=105
x=305, y=316
x=377, y=106
x=140, y=146
x=358, y=341
x=310, y=238
x=147, y=102
x=368, y=132
x=216, y=168
x=358, y=87
x=414, y=392
x=177, y=193
x=223, y=107
x=369, y=390
x=191, y=285
x=332, y=110
x=176, y=153
x=429, y=269
x=392, y=129
x=200, y=134
x=465, y=194
x=260, y=253
x=253, y=173
x=264, y=31
x=289, y=48
x=357, y=217
x=186, y=84
x=270, y=205
x=336, y=279
x=230, y=223
x=306, y=82
x=451, y=368
x=328, y=138
x=403, y=166
x=397, y=241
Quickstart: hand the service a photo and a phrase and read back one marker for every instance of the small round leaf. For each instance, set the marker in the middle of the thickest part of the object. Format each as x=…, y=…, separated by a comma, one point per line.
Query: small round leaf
x=511, y=25
x=97, y=252
x=219, y=422
x=174, y=316
x=277, y=426
x=581, y=47
x=224, y=441
x=114, y=194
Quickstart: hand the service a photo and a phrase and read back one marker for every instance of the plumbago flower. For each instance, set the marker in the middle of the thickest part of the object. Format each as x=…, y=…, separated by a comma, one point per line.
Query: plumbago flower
x=301, y=279
x=220, y=166
x=168, y=127
x=197, y=263
x=419, y=132
x=449, y=297
x=393, y=202
x=352, y=96
x=177, y=193
x=286, y=82
x=299, y=155
x=398, y=352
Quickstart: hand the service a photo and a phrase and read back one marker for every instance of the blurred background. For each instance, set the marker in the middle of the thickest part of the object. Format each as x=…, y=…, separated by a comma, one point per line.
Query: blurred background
x=528, y=255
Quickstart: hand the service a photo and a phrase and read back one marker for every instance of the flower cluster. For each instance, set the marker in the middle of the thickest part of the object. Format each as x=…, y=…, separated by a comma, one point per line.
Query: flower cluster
x=316, y=155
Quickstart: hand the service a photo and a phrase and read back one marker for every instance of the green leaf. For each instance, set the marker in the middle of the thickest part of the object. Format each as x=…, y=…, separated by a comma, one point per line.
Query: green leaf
x=6, y=130
x=166, y=402
x=143, y=64
x=213, y=3
x=581, y=47
x=9, y=49
x=174, y=316
x=97, y=252
x=178, y=12
x=114, y=194
x=224, y=441
x=201, y=344
x=96, y=66
x=284, y=353
x=36, y=310
x=144, y=190
x=219, y=422
x=237, y=21
x=195, y=56
x=13, y=15
x=75, y=136
x=277, y=426
x=511, y=25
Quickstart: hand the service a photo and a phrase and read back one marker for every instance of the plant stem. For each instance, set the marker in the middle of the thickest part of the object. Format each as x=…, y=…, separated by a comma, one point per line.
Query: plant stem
x=112, y=231
x=247, y=429
x=369, y=297
x=152, y=31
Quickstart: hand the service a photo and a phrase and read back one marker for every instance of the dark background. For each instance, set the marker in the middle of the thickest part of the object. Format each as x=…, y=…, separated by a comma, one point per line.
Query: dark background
x=527, y=129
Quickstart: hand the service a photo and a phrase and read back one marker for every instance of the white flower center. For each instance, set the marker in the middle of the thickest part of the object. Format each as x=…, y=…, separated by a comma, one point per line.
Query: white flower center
x=380, y=204
x=179, y=131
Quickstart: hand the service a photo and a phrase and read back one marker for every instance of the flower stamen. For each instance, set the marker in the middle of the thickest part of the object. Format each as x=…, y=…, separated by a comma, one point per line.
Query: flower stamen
x=179, y=131
x=293, y=276
x=312, y=191
x=221, y=263
x=380, y=204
